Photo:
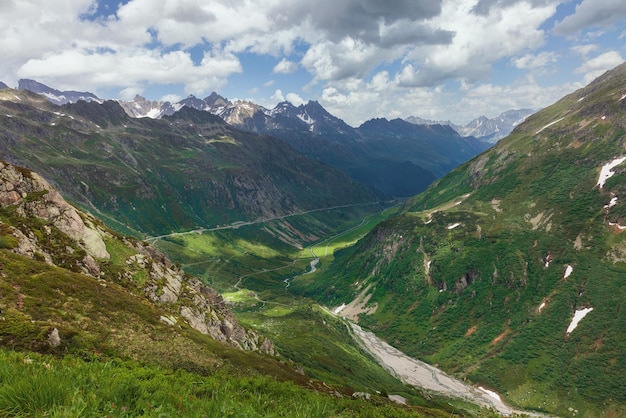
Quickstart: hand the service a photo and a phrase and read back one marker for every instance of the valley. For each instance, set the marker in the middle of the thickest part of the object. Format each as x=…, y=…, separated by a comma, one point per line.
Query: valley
x=216, y=248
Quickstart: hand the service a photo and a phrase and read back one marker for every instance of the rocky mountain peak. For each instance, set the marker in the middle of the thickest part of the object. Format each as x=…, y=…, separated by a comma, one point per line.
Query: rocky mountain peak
x=215, y=99
x=56, y=96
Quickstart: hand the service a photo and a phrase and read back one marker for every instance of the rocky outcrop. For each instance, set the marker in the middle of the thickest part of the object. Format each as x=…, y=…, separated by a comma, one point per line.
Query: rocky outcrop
x=28, y=195
x=202, y=307
x=42, y=225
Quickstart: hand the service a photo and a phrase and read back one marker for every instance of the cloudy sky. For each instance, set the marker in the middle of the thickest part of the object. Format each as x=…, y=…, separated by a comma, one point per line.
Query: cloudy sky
x=437, y=59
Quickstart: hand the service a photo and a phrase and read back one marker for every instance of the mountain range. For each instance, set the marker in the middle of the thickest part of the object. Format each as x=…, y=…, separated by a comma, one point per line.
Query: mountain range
x=490, y=130
x=245, y=114
x=185, y=171
x=400, y=163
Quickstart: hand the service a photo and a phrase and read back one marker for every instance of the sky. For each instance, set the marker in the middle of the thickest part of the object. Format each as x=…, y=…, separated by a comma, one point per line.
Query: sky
x=436, y=59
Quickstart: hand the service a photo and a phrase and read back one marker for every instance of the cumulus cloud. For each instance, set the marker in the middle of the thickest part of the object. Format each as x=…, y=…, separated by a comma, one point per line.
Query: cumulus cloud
x=383, y=96
x=295, y=99
x=285, y=67
x=584, y=50
x=595, y=67
x=531, y=61
x=130, y=92
x=480, y=41
x=357, y=19
x=278, y=96
x=592, y=13
x=484, y=7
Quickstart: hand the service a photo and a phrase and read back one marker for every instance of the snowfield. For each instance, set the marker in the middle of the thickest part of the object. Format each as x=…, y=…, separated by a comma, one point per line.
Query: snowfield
x=568, y=270
x=550, y=124
x=578, y=316
x=607, y=171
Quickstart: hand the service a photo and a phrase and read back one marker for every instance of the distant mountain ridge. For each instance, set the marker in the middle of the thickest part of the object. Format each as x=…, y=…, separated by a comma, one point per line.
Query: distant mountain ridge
x=311, y=114
x=183, y=171
x=56, y=96
x=489, y=130
x=398, y=160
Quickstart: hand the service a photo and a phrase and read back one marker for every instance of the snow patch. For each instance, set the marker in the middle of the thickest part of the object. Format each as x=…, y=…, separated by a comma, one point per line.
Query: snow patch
x=621, y=227
x=581, y=99
x=153, y=113
x=18, y=97
x=453, y=225
x=339, y=308
x=607, y=171
x=578, y=316
x=491, y=393
x=550, y=124
x=612, y=203
x=304, y=117
x=568, y=270
x=622, y=98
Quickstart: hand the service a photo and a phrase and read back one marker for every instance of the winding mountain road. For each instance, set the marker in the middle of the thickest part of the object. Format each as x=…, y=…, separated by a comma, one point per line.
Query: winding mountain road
x=239, y=224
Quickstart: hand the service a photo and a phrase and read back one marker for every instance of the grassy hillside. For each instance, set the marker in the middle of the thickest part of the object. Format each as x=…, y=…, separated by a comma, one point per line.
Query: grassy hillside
x=484, y=272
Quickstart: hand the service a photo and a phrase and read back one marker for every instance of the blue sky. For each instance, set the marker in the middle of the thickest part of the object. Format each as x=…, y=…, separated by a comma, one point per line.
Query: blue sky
x=437, y=59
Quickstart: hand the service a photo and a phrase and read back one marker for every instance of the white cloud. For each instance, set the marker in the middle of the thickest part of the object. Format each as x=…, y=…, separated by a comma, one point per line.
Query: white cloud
x=278, y=97
x=480, y=41
x=530, y=61
x=129, y=93
x=285, y=67
x=595, y=67
x=592, y=13
x=347, y=58
x=383, y=96
x=295, y=99
x=172, y=98
x=584, y=50
x=365, y=58
x=81, y=69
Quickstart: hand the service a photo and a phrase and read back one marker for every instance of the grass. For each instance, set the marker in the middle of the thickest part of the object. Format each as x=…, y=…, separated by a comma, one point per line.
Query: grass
x=33, y=385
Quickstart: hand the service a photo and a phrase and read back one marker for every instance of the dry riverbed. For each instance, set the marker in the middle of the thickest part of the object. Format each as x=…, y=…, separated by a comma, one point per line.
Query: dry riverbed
x=419, y=374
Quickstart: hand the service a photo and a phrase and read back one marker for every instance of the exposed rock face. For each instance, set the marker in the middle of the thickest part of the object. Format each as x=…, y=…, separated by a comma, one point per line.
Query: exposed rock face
x=27, y=196
x=201, y=306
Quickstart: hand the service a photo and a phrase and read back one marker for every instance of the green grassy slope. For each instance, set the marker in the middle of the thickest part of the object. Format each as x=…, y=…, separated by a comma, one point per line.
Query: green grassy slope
x=482, y=273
